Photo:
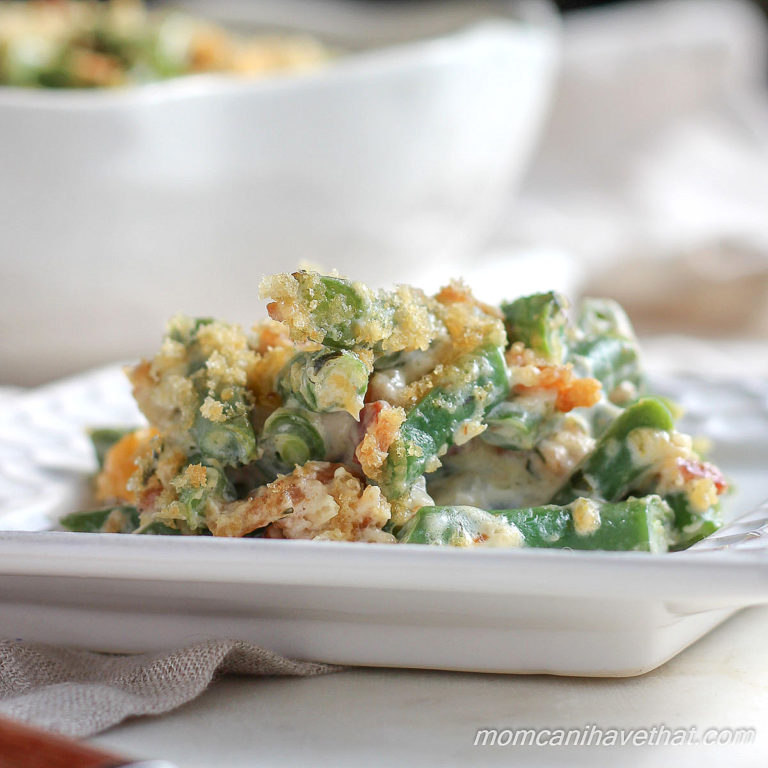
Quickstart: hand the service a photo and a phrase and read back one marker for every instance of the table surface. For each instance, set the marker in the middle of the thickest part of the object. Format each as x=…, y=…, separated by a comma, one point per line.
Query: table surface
x=381, y=717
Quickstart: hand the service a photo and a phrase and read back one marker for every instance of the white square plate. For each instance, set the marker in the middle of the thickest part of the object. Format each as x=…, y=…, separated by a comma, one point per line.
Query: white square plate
x=569, y=613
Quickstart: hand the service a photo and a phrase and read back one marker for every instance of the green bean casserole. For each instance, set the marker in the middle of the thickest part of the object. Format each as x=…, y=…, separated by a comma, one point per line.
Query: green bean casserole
x=355, y=414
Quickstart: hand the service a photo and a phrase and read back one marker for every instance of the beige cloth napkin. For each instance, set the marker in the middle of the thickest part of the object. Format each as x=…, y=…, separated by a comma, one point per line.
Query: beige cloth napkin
x=79, y=693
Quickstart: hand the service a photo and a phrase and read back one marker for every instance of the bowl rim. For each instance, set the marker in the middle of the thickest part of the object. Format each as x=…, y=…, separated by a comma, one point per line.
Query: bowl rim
x=540, y=37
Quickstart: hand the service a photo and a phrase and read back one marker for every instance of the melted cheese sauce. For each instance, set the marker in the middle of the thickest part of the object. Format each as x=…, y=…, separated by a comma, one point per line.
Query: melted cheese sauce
x=478, y=529
x=663, y=451
x=586, y=516
x=485, y=476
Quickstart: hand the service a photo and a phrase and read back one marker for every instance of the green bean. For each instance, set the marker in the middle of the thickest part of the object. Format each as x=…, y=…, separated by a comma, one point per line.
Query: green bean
x=290, y=436
x=159, y=529
x=194, y=498
x=608, y=472
x=540, y=322
x=223, y=432
x=342, y=314
x=125, y=516
x=690, y=525
x=93, y=521
x=325, y=381
x=608, y=348
x=604, y=317
x=518, y=424
x=610, y=360
x=467, y=390
x=231, y=442
x=631, y=525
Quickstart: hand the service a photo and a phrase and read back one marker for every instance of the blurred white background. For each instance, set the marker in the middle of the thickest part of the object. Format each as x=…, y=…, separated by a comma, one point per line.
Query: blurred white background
x=650, y=181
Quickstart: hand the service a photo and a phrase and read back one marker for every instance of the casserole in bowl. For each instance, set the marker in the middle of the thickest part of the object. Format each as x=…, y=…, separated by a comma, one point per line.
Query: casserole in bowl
x=123, y=203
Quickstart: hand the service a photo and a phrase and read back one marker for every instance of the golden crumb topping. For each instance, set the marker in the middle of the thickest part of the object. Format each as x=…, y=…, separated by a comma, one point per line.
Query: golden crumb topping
x=382, y=422
x=319, y=500
x=201, y=369
x=315, y=308
x=469, y=322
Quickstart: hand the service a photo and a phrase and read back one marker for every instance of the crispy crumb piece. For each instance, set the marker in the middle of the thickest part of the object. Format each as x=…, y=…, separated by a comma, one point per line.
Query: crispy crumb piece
x=382, y=422
x=402, y=319
x=213, y=410
x=530, y=372
x=319, y=500
x=199, y=371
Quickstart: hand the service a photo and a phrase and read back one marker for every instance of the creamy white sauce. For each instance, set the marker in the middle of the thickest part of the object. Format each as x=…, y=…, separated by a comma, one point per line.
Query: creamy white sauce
x=340, y=433
x=586, y=516
x=477, y=528
x=482, y=475
x=387, y=385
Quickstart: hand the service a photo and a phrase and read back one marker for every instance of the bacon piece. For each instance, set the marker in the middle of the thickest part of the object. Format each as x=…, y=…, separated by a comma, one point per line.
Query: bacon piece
x=695, y=468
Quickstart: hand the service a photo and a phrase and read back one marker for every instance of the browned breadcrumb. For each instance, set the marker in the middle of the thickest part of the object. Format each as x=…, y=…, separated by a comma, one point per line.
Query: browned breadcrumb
x=167, y=398
x=318, y=500
x=213, y=410
x=227, y=354
x=96, y=69
x=166, y=393
x=154, y=479
x=410, y=326
x=382, y=422
x=195, y=476
x=287, y=306
x=519, y=355
x=469, y=322
x=408, y=396
x=413, y=325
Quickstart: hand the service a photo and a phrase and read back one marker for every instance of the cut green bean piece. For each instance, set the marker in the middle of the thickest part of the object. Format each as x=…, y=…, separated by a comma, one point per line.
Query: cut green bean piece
x=640, y=525
x=104, y=438
x=517, y=424
x=325, y=381
x=608, y=348
x=469, y=388
x=222, y=429
x=340, y=307
x=231, y=441
x=608, y=472
x=194, y=498
x=609, y=359
x=290, y=437
x=689, y=525
x=539, y=321
x=604, y=317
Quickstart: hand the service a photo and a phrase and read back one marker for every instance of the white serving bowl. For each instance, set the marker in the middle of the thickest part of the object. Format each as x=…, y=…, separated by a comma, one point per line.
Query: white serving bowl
x=120, y=208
